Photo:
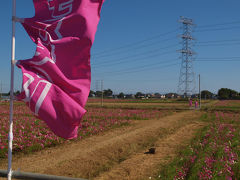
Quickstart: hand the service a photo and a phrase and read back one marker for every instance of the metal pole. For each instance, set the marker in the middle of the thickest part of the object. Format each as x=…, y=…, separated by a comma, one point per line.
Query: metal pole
x=102, y=92
x=35, y=176
x=10, y=135
x=199, y=93
x=1, y=91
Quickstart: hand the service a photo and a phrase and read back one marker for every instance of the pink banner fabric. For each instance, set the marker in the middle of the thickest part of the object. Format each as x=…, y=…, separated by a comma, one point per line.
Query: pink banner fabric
x=56, y=81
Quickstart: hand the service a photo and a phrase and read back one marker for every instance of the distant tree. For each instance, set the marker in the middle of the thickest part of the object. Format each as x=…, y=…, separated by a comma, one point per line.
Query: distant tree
x=16, y=93
x=234, y=94
x=98, y=93
x=5, y=94
x=157, y=95
x=139, y=95
x=91, y=93
x=107, y=92
x=225, y=93
x=205, y=94
x=121, y=95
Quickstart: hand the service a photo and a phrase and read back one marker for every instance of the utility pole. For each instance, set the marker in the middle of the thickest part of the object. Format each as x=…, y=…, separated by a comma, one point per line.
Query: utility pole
x=102, y=92
x=99, y=90
x=1, y=91
x=199, y=92
x=186, y=85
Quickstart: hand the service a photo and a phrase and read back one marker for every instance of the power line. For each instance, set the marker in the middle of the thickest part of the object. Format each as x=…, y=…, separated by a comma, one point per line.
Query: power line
x=150, y=80
x=140, y=54
x=212, y=60
x=140, y=69
x=163, y=34
x=119, y=51
x=218, y=29
x=142, y=44
x=125, y=59
x=133, y=58
x=225, y=44
x=137, y=42
x=219, y=24
x=145, y=69
x=144, y=66
x=219, y=58
x=225, y=40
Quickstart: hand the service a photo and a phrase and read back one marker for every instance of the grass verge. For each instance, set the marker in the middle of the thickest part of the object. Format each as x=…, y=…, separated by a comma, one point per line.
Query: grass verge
x=212, y=154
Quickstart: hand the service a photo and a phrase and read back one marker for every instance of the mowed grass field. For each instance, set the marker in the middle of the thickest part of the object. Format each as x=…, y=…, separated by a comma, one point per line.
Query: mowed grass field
x=114, y=139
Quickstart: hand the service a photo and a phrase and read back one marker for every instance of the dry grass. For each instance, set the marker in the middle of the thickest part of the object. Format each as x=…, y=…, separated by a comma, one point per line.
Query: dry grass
x=143, y=166
x=117, y=153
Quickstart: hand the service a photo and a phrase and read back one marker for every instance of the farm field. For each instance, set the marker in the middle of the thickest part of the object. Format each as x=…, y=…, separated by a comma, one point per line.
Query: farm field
x=230, y=105
x=212, y=154
x=31, y=134
x=114, y=140
x=169, y=104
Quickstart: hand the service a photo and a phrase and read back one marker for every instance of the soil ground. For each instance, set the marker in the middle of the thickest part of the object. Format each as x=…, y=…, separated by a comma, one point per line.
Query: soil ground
x=118, y=153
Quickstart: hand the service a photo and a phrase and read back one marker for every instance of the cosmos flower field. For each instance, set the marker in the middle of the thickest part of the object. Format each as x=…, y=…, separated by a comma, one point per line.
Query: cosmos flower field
x=214, y=153
x=31, y=134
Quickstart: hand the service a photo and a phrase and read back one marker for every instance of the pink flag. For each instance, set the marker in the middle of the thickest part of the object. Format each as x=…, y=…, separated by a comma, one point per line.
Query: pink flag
x=56, y=81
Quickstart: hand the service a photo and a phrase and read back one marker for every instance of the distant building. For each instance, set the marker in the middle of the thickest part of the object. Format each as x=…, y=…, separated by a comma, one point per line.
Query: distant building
x=158, y=95
x=5, y=98
x=172, y=95
x=163, y=96
x=130, y=96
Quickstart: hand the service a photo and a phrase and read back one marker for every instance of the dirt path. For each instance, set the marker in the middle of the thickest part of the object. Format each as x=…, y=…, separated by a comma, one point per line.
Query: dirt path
x=116, y=154
x=142, y=166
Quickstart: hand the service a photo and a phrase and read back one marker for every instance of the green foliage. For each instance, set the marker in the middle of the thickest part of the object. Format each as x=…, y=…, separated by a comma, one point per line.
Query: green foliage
x=91, y=93
x=205, y=94
x=213, y=153
x=107, y=92
x=225, y=93
x=98, y=93
x=139, y=95
x=3, y=153
x=121, y=95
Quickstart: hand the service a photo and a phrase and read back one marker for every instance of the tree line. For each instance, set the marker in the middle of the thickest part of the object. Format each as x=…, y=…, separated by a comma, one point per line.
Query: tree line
x=223, y=93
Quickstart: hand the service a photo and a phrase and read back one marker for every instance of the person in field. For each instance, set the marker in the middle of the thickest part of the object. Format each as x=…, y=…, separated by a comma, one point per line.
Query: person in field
x=196, y=104
x=190, y=102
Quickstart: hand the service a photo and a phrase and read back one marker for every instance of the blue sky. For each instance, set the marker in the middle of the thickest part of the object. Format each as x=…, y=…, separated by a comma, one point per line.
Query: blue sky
x=136, y=44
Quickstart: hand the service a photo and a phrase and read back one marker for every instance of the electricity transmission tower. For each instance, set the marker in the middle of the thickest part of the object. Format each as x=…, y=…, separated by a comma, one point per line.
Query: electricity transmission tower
x=186, y=85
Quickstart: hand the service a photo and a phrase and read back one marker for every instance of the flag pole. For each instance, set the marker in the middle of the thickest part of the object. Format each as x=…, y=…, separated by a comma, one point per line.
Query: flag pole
x=10, y=135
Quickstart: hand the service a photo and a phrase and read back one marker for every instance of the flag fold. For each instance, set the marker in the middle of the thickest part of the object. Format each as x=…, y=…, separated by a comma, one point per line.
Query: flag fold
x=56, y=80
